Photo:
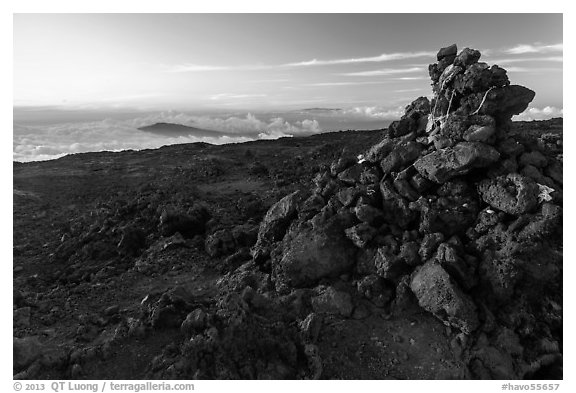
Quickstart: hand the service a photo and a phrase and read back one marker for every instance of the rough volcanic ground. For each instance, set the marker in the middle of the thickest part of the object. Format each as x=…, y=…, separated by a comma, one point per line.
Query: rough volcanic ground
x=137, y=265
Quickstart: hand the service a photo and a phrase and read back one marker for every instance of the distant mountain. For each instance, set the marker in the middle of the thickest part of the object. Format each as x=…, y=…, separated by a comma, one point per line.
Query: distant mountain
x=319, y=110
x=175, y=130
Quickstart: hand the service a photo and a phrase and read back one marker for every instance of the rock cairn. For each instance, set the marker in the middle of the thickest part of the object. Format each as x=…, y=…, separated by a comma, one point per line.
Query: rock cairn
x=451, y=211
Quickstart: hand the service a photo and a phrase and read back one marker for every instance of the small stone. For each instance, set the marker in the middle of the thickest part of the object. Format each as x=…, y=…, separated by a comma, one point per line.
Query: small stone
x=112, y=310
x=76, y=371
x=376, y=289
x=22, y=317
x=369, y=215
x=195, y=321
x=332, y=301
x=311, y=326
x=361, y=235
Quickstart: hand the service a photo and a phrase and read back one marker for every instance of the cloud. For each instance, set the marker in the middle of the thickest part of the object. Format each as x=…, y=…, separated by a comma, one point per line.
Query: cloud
x=526, y=59
x=375, y=112
x=385, y=57
x=188, y=67
x=412, y=78
x=373, y=59
x=386, y=71
x=534, y=48
x=326, y=84
x=529, y=69
x=31, y=143
x=279, y=128
x=410, y=90
x=231, y=96
x=532, y=113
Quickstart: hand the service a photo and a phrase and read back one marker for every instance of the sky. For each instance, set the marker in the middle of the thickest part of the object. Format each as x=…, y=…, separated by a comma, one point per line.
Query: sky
x=267, y=61
x=87, y=82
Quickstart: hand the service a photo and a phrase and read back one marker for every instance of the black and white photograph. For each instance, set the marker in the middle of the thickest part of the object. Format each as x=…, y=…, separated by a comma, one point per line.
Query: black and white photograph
x=286, y=196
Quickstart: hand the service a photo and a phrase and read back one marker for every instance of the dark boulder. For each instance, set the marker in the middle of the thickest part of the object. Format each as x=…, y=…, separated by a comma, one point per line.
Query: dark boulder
x=278, y=217
x=438, y=294
x=467, y=57
x=514, y=194
x=403, y=154
x=447, y=52
x=501, y=102
x=351, y=175
x=310, y=254
x=442, y=165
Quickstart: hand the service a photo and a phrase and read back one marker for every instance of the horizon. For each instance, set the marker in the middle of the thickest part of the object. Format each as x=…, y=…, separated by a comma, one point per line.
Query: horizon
x=84, y=82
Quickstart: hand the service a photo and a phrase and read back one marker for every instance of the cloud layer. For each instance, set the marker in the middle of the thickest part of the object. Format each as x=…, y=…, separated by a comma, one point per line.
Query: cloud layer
x=32, y=143
x=545, y=113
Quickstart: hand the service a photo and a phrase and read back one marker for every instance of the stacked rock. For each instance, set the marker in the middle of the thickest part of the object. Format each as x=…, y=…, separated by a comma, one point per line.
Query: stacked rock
x=450, y=208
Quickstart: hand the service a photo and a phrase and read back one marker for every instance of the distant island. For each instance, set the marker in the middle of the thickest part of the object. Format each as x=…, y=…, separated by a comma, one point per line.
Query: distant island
x=176, y=130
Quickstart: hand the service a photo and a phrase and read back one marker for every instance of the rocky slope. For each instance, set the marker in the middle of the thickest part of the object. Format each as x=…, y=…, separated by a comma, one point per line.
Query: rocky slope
x=432, y=249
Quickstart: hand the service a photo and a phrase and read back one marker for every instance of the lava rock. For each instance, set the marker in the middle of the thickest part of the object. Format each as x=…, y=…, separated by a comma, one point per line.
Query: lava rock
x=278, y=218
x=195, y=321
x=478, y=133
x=389, y=265
x=220, y=242
x=188, y=224
x=514, y=194
x=361, y=235
x=534, y=158
x=501, y=102
x=376, y=289
x=447, y=52
x=351, y=175
x=442, y=165
x=22, y=317
x=25, y=351
x=310, y=327
x=438, y=294
x=467, y=57
x=133, y=239
x=402, y=154
x=310, y=254
x=342, y=164
x=369, y=215
x=334, y=302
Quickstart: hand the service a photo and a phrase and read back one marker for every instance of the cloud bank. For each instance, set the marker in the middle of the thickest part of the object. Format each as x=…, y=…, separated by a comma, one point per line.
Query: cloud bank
x=33, y=143
x=532, y=113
